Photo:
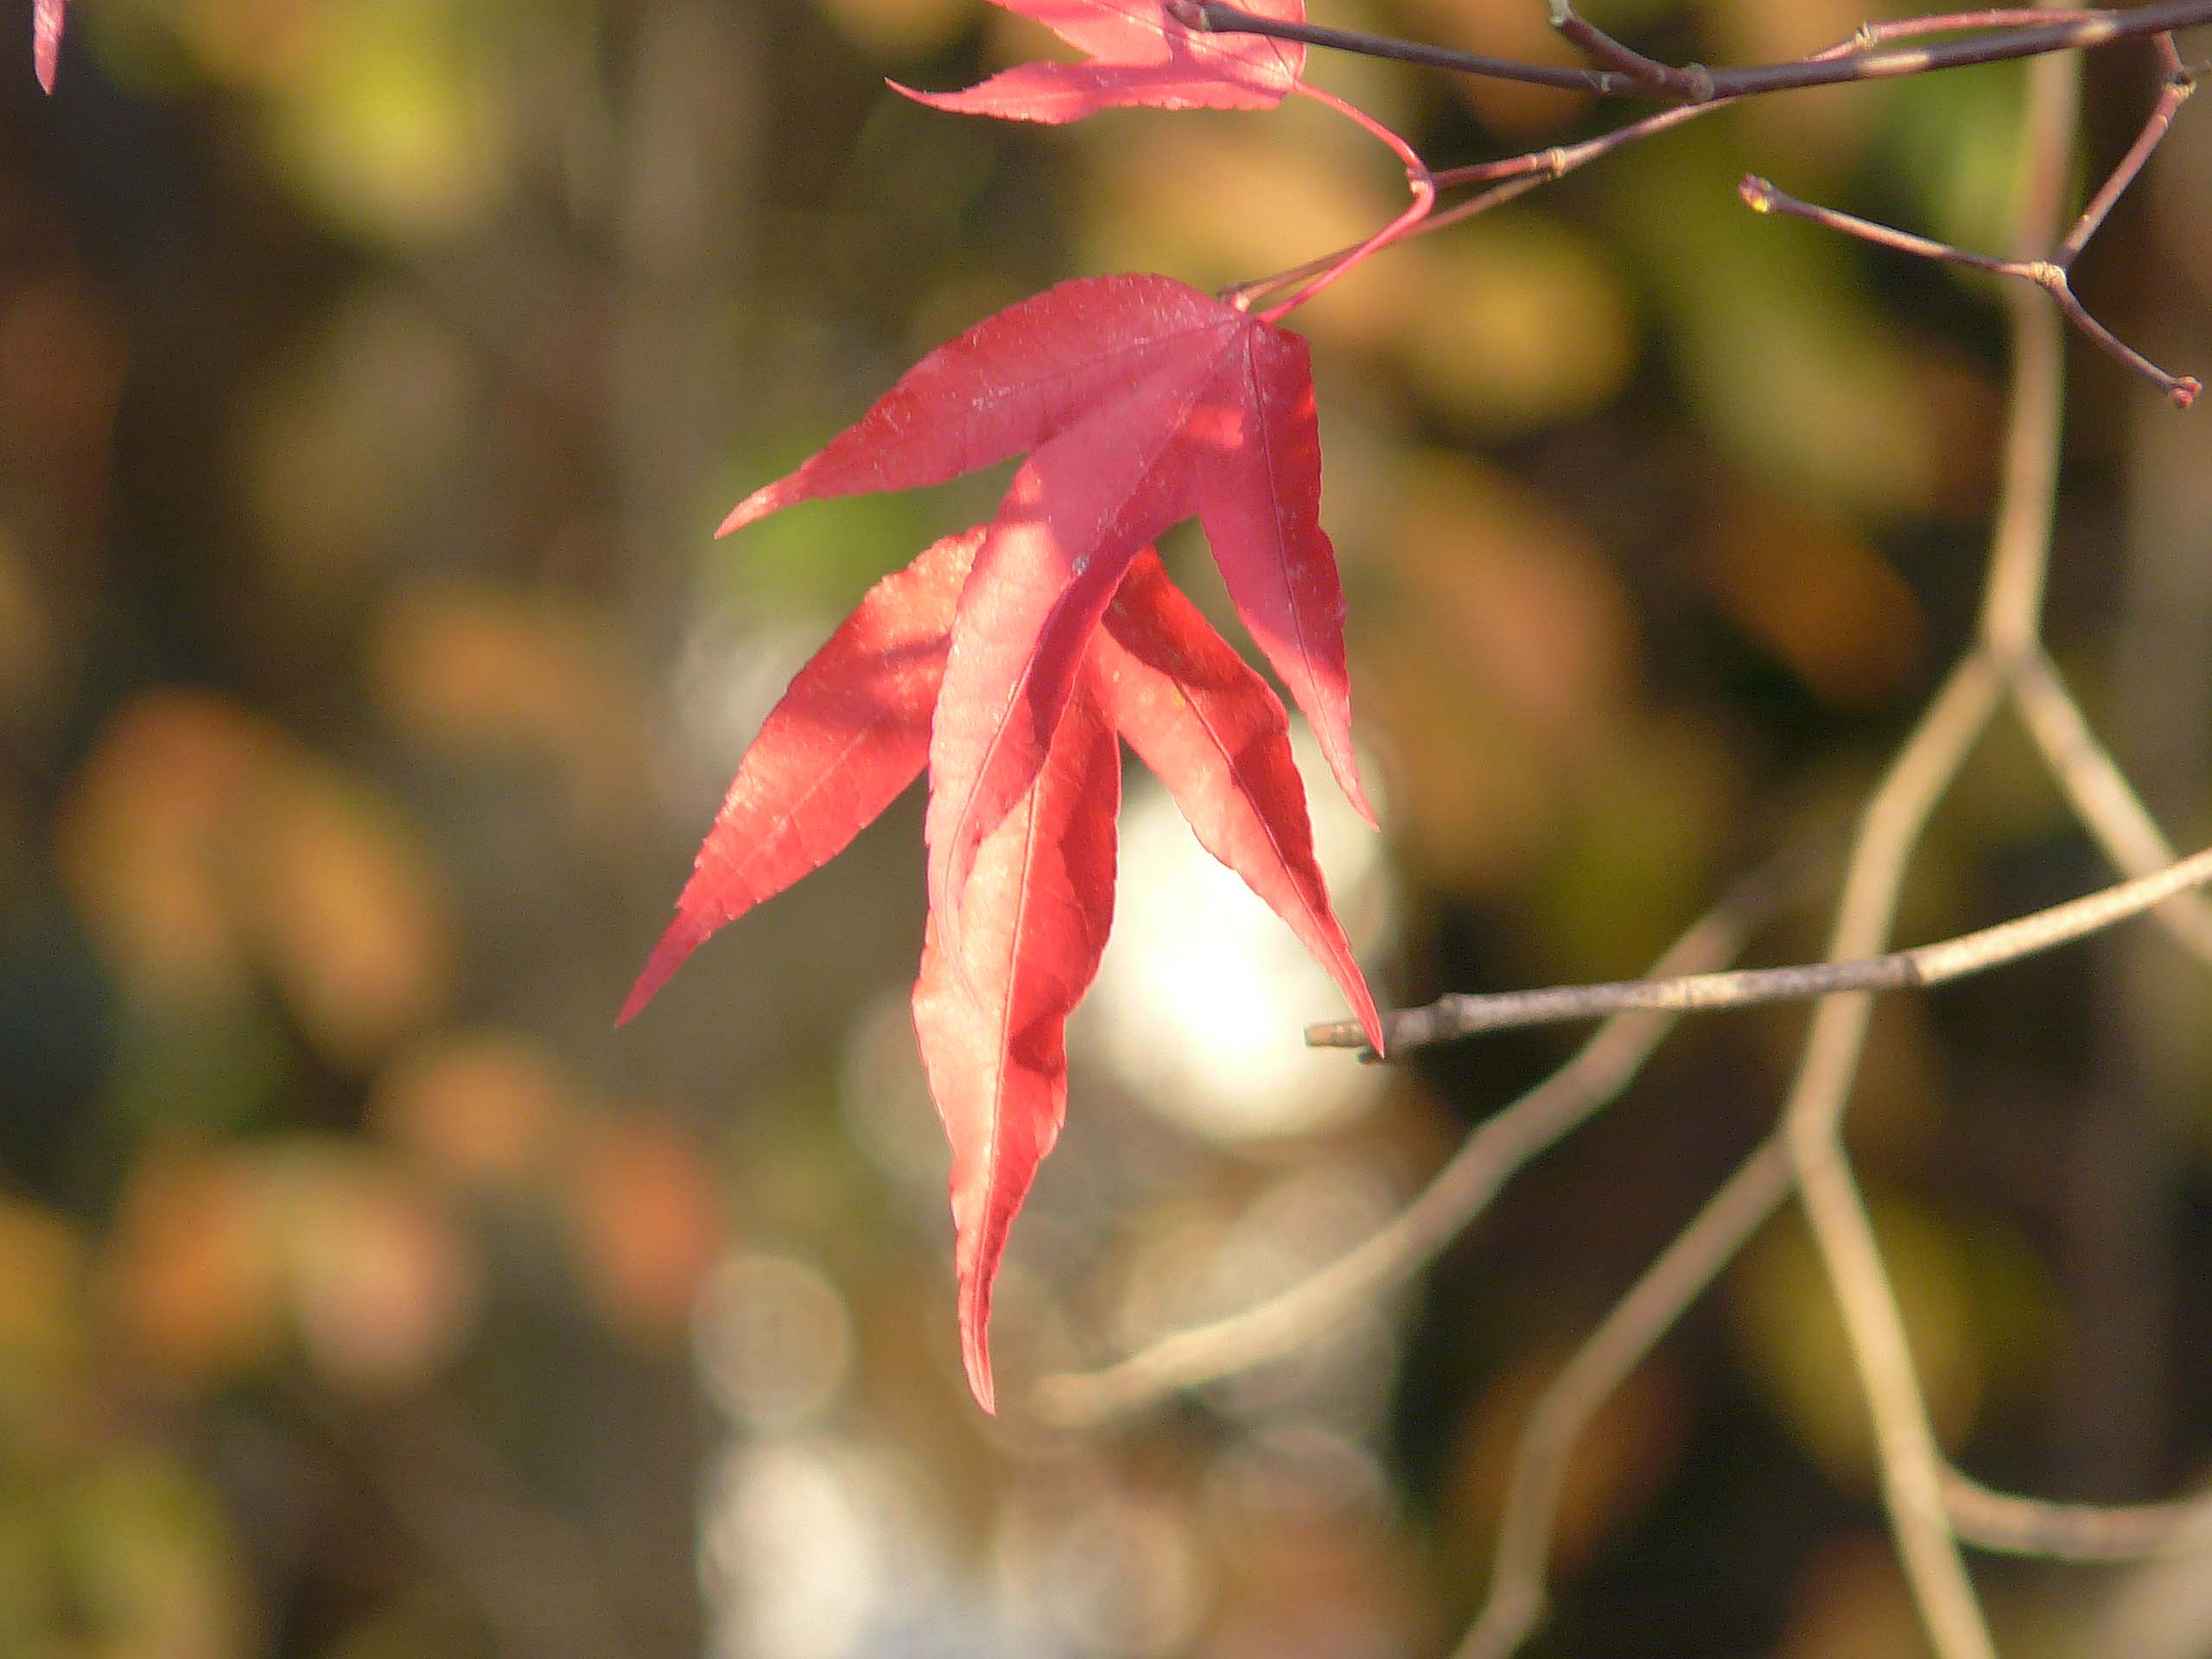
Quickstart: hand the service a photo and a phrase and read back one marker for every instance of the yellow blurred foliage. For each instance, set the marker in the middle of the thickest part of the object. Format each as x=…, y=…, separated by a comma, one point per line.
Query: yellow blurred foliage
x=349, y=914
x=189, y=1269
x=147, y=840
x=1975, y=1314
x=479, y=668
x=1783, y=357
x=646, y=1217
x=1233, y=203
x=897, y=28
x=199, y=843
x=150, y=1564
x=386, y=120
x=381, y=1284
x=1520, y=114
x=43, y=1343
x=480, y=1109
x=253, y=42
x=1813, y=588
x=1515, y=323
x=1816, y=137
x=1492, y=592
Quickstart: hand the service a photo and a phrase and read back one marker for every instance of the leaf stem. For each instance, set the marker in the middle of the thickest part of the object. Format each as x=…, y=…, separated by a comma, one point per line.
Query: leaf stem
x=1419, y=180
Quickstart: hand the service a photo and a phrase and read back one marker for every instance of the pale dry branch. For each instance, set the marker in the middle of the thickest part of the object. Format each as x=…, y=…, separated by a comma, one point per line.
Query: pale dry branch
x=2007, y=1524
x=1922, y=967
x=2098, y=791
x=1650, y=1309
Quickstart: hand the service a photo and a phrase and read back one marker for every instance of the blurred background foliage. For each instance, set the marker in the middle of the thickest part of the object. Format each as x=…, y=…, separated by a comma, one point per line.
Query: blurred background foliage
x=372, y=373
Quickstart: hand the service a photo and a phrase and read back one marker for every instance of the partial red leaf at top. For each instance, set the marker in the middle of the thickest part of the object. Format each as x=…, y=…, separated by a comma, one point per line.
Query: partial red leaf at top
x=1005, y=386
x=990, y=1013
x=46, y=18
x=851, y=732
x=1211, y=731
x=1139, y=54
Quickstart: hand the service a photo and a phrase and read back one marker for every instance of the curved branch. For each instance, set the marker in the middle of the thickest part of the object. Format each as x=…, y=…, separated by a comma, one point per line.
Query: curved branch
x=2087, y=1534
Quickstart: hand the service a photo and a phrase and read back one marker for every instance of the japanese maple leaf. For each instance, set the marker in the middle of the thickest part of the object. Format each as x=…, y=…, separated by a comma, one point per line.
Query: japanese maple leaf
x=991, y=1006
x=1141, y=402
x=1139, y=54
x=46, y=17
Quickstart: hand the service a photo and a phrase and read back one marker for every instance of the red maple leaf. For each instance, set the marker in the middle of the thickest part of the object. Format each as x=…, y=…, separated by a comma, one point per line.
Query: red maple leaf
x=46, y=17
x=1141, y=402
x=1139, y=54
x=991, y=1004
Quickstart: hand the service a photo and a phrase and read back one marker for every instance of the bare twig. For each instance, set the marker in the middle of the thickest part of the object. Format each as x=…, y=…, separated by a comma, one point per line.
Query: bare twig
x=2005, y=1523
x=2050, y=275
x=1651, y=1309
x=2098, y=791
x=1910, y=1463
x=1691, y=83
x=1922, y=966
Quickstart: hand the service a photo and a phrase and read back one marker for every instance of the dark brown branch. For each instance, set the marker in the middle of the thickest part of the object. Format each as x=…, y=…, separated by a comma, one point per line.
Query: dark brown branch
x=2012, y=40
x=1209, y=17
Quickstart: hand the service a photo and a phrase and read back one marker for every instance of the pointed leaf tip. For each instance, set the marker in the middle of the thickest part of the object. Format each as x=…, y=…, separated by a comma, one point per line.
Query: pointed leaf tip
x=847, y=738
x=975, y=1351
x=46, y=18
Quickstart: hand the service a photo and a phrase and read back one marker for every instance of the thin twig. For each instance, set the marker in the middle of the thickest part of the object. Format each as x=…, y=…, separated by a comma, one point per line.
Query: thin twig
x=2180, y=83
x=1521, y=1562
x=1691, y=83
x=1910, y=1463
x=2182, y=390
x=2098, y=792
x=1461, y=1191
x=2006, y=1524
x=1923, y=966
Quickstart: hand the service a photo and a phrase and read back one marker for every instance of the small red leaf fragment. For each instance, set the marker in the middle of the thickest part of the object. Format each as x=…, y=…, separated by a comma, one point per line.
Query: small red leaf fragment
x=992, y=1023
x=1140, y=53
x=46, y=18
x=850, y=736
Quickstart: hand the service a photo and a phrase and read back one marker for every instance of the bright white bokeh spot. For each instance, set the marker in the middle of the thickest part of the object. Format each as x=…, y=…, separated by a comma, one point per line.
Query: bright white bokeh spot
x=815, y=1548
x=773, y=1340
x=1091, y=1568
x=1204, y=993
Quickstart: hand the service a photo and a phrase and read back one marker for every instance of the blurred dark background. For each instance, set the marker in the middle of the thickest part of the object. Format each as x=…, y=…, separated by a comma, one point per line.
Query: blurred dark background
x=372, y=373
